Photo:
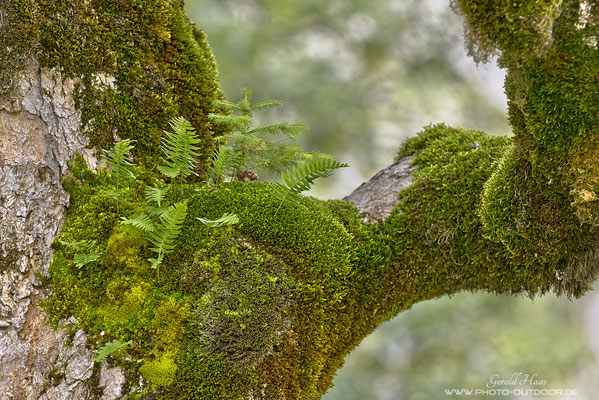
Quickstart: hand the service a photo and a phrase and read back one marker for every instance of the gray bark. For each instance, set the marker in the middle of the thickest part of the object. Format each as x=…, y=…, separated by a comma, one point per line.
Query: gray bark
x=39, y=133
x=377, y=197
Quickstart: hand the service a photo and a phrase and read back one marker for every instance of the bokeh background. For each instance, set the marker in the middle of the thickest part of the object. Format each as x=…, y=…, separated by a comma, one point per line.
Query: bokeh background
x=365, y=75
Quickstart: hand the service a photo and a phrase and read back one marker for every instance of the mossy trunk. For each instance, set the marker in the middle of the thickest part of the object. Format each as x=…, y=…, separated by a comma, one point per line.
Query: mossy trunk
x=267, y=308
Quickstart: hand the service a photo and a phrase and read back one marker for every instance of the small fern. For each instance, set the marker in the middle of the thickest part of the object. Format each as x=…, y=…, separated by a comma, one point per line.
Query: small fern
x=118, y=159
x=108, y=349
x=166, y=231
x=225, y=219
x=224, y=164
x=155, y=195
x=143, y=222
x=180, y=149
x=121, y=165
x=89, y=252
x=79, y=245
x=301, y=177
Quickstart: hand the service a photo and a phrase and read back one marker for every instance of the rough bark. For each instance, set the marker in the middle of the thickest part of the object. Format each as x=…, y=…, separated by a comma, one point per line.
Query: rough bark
x=40, y=130
x=377, y=198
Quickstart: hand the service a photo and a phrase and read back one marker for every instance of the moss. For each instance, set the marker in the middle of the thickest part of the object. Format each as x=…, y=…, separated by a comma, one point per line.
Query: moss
x=540, y=202
x=487, y=208
x=250, y=300
x=55, y=376
x=519, y=26
x=160, y=372
x=136, y=63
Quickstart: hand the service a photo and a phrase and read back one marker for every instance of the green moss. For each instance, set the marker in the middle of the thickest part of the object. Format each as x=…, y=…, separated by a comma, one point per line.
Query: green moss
x=487, y=208
x=159, y=373
x=229, y=305
x=136, y=64
x=540, y=202
x=518, y=26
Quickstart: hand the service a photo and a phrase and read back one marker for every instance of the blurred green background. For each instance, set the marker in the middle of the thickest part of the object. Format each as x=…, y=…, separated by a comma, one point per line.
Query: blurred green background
x=365, y=75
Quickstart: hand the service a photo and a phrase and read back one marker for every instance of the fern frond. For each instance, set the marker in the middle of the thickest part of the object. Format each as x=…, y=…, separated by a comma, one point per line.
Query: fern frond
x=155, y=262
x=82, y=259
x=224, y=162
x=164, y=234
x=155, y=195
x=180, y=148
x=108, y=349
x=225, y=219
x=118, y=159
x=301, y=177
x=79, y=245
x=143, y=222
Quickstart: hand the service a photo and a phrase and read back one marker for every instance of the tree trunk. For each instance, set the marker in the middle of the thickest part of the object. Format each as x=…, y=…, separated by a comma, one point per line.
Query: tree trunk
x=278, y=303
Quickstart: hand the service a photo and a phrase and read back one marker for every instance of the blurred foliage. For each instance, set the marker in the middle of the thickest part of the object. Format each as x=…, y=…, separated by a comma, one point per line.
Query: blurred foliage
x=461, y=342
x=364, y=75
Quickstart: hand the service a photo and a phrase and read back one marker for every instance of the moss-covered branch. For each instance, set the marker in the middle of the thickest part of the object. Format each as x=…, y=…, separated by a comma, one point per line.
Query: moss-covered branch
x=268, y=308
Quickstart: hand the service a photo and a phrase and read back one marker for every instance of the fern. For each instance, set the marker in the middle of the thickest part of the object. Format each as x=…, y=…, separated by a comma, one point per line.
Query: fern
x=82, y=259
x=143, y=222
x=108, y=349
x=301, y=177
x=79, y=245
x=155, y=195
x=225, y=219
x=166, y=231
x=121, y=165
x=224, y=162
x=88, y=256
x=180, y=148
x=118, y=159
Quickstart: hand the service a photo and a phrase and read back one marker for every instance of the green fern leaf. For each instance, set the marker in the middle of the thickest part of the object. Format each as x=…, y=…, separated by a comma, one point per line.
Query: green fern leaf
x=164, y=234
x=301, y=177
x=155, y=195
x=82, y=259
x=180, y=148
x=155, y=262
x=79, y=245
x=108, y=349
x=224, y=163
x=225, y=219
x=118, y=159
x=143, y=222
